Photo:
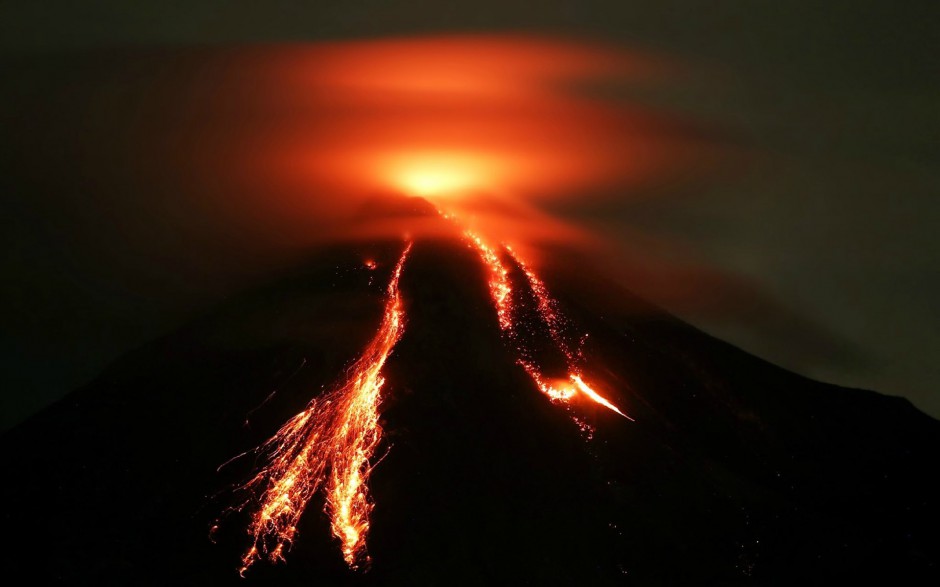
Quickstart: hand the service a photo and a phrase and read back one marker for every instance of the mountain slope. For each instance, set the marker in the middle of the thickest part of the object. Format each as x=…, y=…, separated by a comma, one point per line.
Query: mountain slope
x=734, y=471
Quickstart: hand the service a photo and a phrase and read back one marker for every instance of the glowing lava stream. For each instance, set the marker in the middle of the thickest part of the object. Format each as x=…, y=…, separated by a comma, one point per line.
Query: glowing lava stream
x=329, y=443
x=501, y=292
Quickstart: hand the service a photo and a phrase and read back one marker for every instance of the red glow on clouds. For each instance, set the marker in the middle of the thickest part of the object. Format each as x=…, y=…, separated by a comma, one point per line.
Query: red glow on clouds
x=292, y=142
x=450, y=116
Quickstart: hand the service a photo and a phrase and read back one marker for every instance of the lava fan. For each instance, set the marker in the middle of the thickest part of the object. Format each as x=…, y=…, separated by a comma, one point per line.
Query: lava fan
x=328, y=443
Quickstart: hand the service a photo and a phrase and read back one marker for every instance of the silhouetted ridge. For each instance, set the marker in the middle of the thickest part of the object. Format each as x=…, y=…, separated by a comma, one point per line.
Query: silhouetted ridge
x=734, y=472
x=394, y=206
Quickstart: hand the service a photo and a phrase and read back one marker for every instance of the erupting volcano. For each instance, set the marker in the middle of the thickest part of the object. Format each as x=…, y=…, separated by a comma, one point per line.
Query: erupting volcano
x=451, y=387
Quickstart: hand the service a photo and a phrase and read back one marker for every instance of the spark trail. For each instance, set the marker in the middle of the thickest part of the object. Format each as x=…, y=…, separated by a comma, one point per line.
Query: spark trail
x=328, y=445
x=557, y=389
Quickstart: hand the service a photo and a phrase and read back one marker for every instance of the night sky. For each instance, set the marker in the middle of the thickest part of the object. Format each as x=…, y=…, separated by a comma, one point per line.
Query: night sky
x=826, y=215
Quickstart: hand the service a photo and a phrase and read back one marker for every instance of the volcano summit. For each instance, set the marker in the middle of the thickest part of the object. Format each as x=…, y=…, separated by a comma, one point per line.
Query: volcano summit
x=429, y=410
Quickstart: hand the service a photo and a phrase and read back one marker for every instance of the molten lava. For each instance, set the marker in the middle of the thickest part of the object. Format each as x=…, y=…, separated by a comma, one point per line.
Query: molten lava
x=555, y=321
x=330, y=443
x=501, y=292
x=500, y=287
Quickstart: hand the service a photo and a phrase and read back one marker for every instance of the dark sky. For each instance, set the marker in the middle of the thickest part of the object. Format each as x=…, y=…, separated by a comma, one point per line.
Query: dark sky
x=835, y=217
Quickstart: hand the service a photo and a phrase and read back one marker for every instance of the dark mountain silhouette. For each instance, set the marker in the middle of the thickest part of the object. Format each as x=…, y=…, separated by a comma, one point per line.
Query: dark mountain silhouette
x=734, y=472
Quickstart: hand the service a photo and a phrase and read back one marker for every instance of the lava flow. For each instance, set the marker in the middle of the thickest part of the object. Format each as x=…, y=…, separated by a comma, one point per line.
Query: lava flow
x=330, y=443
x=558, y=390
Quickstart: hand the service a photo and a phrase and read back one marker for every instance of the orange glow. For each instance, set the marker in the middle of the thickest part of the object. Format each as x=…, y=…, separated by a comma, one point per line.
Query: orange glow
x=436, y=175
x=452, y=115
x=289, y=142
x=297, y=138
x=329, y=444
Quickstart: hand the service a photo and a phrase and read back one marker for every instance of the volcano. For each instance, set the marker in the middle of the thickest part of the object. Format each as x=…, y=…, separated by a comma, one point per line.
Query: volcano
x=527, y=429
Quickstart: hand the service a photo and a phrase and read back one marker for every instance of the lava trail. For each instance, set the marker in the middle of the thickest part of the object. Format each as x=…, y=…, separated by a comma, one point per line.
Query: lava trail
x=329, y=444
x=557, y=389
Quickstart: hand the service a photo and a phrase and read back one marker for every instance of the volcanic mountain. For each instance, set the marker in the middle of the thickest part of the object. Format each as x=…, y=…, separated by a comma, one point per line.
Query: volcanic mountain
x=481, y=469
